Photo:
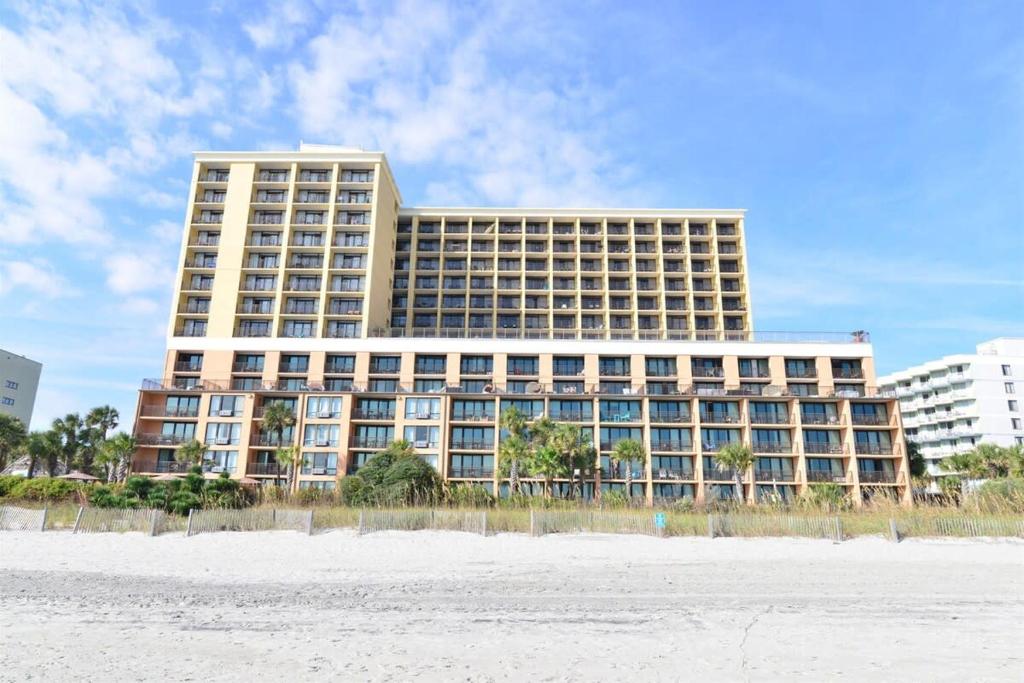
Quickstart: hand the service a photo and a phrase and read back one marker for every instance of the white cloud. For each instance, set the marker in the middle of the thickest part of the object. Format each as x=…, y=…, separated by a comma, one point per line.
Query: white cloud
x=280, y=25
x=442, y=84
x=38, y=277
x=138, y=270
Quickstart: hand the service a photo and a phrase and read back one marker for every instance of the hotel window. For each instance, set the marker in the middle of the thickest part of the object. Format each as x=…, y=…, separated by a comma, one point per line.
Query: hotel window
x=1015, y=422
x=477, y=365
x=220, y=461
x=523, y=366
x=323, y=407
x=661, y=367
x=226, y=406
x=299, y=328
x=1006, y=370
x=223, y=433
x=423, y=437
x=430, y=365
x=423, y=408
x=294, y=363
x=7, y=401
x=385, y=364
x=357, y=176
x=1008, y=387
x=320, y=464
x=11, y=384
x=320, y=435
x=1011, y=406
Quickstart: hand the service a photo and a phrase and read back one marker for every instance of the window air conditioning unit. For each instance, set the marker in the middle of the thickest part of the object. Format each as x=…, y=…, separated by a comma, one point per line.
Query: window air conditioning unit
x=323, y=413
x=217, y=470
x=226, y=413
x=322, y=442
x=319, y=470
x=223, y=440
x=420, y=444
x=423, y=415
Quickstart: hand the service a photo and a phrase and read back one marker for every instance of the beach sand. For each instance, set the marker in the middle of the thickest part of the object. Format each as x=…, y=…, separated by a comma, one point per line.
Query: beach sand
x=281, y=606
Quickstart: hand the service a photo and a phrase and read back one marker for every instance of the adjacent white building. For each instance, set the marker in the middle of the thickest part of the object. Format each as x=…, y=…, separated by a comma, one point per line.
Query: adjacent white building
x=952, y=404
x=19, y=380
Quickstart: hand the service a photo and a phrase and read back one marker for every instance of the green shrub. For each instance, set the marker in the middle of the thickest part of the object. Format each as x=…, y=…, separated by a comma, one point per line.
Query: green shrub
x=614, y=499
x=353, y=491
x=45, y=489
x=7, y=484
x=183, y=501
x=826, y=497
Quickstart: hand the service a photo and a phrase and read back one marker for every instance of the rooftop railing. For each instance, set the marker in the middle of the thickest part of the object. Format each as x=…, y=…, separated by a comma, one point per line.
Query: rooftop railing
x=624, y=334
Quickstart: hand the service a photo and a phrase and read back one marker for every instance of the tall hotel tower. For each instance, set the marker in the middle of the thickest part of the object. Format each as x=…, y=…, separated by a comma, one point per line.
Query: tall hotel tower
x=303, y=279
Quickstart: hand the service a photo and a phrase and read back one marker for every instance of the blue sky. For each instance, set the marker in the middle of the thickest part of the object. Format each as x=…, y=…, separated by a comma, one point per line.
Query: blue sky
x=878, y=147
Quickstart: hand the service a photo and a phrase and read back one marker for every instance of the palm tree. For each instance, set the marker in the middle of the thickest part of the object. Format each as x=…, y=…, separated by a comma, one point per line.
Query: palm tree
x=12, y=437
x=116, y=454
x=514, y=449
x=399, y=448
x=278, y=417
x=548, y=463
x=738, y=458
x=104, y=418
x=575, y=448
x=286, y=457
x=191, y=452
x=69, y=428
x=629, y=451
x=43, y=446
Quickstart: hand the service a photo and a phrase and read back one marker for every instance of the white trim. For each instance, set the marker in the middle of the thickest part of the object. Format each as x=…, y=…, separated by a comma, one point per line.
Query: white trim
x=566, y=212
x=524, y=346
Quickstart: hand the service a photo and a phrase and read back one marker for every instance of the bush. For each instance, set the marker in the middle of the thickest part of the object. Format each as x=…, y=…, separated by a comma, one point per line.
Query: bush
x=353, y=491
x=615, y=499
x=7, y=484
x=183, y=501
x=44, y=489
x=827, y=497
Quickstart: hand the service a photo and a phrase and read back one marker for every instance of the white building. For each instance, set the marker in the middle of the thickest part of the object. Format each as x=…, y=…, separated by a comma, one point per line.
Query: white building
x=952, y=404
x=19, y=380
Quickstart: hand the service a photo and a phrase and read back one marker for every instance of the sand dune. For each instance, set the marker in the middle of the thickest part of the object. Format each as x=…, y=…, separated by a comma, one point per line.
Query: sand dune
x=280, y=606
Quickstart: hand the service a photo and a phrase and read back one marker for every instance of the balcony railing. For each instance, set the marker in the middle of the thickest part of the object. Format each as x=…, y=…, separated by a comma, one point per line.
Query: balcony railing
x=361, y=414
x=831, y=448
x=161, y=439
x=874, y=449
x=768, y=418
x=720, y=417
x=170, y=466
x=715, y=474
x=709, y=335
x=164, y=411
x=816, y=419
x=363, y=442
x=774, y=475
x=270, y=441
x=818, y=476
x=708, y=371
x=188, y=366
x=265, y=468
x=876, y=477
x=806, y=373
x=772, y=447
x=471, y=445
x=870, y=420
x=847, y=373
x=672, y=446
x=471, y=472
x=673, y=473
x=484, y=417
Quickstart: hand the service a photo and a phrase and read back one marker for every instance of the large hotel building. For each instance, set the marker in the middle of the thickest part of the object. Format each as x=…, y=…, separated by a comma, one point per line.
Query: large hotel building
x=303, y=279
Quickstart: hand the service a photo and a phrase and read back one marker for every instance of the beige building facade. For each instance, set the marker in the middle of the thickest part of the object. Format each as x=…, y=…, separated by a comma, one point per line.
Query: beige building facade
x=302, y=279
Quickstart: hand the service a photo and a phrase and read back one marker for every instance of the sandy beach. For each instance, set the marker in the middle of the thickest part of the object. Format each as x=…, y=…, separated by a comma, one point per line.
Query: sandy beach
x=281, y=606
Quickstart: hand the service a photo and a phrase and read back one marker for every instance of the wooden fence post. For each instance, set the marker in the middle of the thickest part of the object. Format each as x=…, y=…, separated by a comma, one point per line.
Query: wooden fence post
x=839, y=530
x=309, y=523
x=42, y=524
x=533, y=526
x=188, y=529
x=78, y=519
x=894, y=532
x=711, y=525
x=152, y=522
x=483, y=520
x=360, y=522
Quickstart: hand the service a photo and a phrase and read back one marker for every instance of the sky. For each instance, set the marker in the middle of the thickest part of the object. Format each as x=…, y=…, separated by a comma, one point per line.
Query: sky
x=878, y=148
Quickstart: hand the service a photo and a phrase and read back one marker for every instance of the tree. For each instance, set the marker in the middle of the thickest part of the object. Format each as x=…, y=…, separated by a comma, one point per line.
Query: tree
x=574, y=447
x=70, y=430
x=548, y=463
x=103, y=418
x=987, y=461
x=97, y=424
x=12, y=437
x=115, y=455
x=918, y=466
x=191, y=452
x=513, y=449
x=629, y=451
x=277, y=418
x=42, y=447
x=395, y=476
x=286, y=457
x=738, y=458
